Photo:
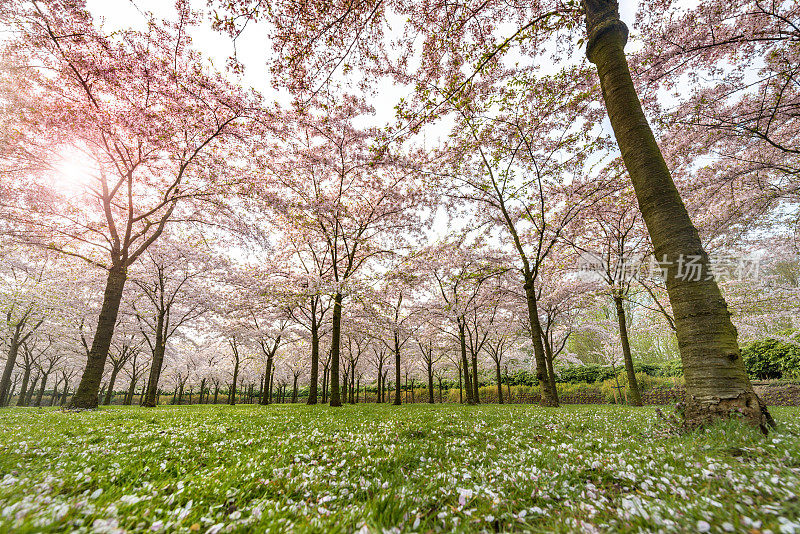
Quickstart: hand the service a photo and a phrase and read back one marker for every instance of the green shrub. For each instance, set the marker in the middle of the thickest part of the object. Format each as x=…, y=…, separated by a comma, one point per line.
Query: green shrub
x=770, y=358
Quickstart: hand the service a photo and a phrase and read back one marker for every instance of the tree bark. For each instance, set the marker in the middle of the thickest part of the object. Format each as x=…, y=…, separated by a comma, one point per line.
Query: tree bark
x=314, y=378
x=551, y=372
x=430, y=381
x=635, y=398
x=39, y=395
x=11, y=359
x=336, y=324
x=159, y=348
x=476, y=397
x=548, y=395
x=29, y=395
x=86, y=396
x=717, y=385
x=499, y=384
x=465, y=364
x=110, y=390
x=26, y=376
x=397, y=401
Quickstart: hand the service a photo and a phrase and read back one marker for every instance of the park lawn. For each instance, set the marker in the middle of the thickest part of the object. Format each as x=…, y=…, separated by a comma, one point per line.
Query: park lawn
x=413, y=468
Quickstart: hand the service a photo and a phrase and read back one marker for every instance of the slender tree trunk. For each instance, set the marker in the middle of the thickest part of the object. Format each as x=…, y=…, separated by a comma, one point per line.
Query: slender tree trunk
x=397, y=401
x=344, y=388
x=460, y=390
x=294, y=390
x=110, y=390
x=379, y=393
x=86, y=395
x=465, y=364
x=548, y=395
x=635, y=398
x=475, y=384
x=551, y=372
x=314, y=378
x=29, y=395
x=717, y=385
x=232, y=399
x=430, y=380
x=440, y=390
x=499, y=383
x=131, y=390
x=39, y=395
x=336, y=324
x=26, y=376
x=159, y=348
x=54, y=396
x=65, y=394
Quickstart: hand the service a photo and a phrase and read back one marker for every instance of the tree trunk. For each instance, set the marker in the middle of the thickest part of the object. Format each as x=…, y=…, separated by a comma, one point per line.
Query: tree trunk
x=551, y=372
x=499, y=384
x=159, y=348
x=24, y=388
x=54, y=396
x=465, y=364
x=430, y=380
x=440, y=390
x=476, y=398
x=202, y=390
x=39, y=395
x=294, y=390
x=397, y=401
x=548, y=395
x=314, y=378
x=86, y=394
x=717, y=385
x=216, y=392
x=336, y=324
x=5, y=390
x=460, y=390
x=110, y=390
x=232, y=398
x=379, y=393
x=29, y=395
x=131, y=390
x=635, y=398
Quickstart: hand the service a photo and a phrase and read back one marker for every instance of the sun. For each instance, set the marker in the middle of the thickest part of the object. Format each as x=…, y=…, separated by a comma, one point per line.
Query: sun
x=74, y=171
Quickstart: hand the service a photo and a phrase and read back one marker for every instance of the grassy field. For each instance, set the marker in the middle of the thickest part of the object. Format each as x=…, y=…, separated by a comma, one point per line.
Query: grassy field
x=368, y=468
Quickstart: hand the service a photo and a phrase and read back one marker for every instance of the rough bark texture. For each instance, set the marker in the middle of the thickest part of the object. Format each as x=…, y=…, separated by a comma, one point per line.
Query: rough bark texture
x=634, y=397
x=86, y=394
x=5, y=382
x=716, y=382
x=430, y=381
x=336, y=331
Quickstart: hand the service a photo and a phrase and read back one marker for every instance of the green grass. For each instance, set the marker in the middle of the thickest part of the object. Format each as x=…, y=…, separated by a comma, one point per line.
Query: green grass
x=409, y=469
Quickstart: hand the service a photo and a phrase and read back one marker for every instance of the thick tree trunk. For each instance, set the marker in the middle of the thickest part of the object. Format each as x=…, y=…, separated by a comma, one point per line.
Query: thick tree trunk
x=499, y=384
x=634, y=398
x=548, y=394
x=397, y=401
x=216, y=393
x=86, y=394
x=110, y=390
x=336, y=324
x=11, y=359
x=717, y=385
